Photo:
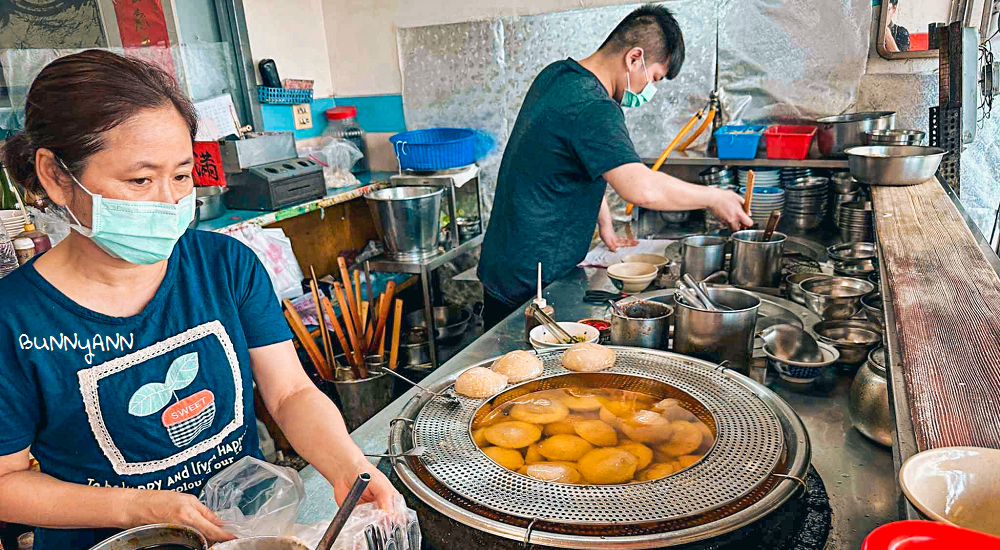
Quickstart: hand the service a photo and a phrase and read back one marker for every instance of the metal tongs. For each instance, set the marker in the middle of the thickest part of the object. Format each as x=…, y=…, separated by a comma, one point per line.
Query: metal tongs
x=696, y=295
x=556, y=330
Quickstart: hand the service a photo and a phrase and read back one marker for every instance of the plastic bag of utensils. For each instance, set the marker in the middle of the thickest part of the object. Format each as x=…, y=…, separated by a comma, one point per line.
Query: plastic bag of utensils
x=336, y=156
x=371, y=528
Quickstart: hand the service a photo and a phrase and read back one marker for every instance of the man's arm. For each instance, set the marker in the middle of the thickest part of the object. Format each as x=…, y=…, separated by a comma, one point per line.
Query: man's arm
x=639, y=185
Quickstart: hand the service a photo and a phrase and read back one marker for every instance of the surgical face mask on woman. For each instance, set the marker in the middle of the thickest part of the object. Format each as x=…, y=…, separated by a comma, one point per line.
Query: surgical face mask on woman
x=139, y=232
x=631, y=99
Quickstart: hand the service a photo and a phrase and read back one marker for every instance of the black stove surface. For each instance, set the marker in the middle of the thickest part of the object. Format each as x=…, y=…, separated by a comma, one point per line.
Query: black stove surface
x=802, y=523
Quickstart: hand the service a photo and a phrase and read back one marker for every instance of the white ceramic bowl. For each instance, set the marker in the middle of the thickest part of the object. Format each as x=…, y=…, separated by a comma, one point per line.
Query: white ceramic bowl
x=651, y=259
x=632, y=277
x=955, y=485
x=541, y=339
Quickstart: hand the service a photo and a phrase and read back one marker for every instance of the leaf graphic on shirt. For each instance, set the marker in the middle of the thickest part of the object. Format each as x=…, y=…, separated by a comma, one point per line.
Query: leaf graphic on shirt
x=149, y=399
x=182, y=371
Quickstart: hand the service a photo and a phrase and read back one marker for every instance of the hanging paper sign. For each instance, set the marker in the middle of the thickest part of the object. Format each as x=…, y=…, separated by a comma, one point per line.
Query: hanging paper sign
x=208, y=164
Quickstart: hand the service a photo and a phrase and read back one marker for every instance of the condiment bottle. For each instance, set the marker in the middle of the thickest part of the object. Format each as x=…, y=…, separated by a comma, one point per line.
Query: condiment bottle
x=25, y=250
x=530, y=321
x=41, y=240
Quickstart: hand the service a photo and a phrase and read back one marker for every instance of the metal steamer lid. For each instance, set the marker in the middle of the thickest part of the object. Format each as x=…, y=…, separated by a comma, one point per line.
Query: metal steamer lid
x=749, y=445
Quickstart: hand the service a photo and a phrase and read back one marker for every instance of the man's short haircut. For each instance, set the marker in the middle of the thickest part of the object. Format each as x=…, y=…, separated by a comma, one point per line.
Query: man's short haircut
x=654, y=29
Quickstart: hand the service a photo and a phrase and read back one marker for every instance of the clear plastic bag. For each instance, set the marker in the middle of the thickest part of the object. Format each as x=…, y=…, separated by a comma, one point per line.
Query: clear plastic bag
x=255, y=498
x=368, y=521
x=337, y=156
x=274, y=250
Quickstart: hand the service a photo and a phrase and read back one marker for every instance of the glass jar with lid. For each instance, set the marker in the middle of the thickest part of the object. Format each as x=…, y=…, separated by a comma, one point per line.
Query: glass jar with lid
x=342, y=123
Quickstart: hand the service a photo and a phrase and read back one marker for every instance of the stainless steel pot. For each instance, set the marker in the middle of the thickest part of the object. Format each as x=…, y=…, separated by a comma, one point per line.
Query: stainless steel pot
x=853, y=338
x=702, y=255
x=872, y=304
x=870, y=399
x=836, y=297
x=896, y=137
x=450, y=321
x=718, y=335
x=151, y=536
x=838, y=133
x=407, y=220
x=647, y=324
x=213, y=203
x=894, y=164
x=794, y=281
x=756, y=263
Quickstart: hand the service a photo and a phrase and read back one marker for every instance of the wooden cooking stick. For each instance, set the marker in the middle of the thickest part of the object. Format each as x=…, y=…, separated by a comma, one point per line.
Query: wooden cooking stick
x=397, y=320
x=357, y=286
x=299, y=328
x=383, y=314
x=341, y=338
x=353, y=308
x=351, y=333
x=370, y=326
x=749, y=198
x=323, y=332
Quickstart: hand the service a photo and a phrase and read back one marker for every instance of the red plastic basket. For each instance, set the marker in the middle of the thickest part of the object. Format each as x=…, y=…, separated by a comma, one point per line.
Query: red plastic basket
x=926, y=535
x=789, y=142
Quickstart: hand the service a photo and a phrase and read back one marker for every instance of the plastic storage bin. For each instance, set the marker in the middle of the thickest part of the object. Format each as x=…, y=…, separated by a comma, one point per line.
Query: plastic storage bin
x=435, y=148
x=738, y=141
x=789, y=142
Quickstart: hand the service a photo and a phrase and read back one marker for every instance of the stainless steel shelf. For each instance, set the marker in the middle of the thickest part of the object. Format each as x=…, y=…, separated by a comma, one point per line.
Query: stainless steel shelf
x=699, y=158
x=382, y=263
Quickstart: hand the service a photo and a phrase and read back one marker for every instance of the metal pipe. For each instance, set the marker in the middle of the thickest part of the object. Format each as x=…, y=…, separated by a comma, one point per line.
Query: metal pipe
x=339, y=520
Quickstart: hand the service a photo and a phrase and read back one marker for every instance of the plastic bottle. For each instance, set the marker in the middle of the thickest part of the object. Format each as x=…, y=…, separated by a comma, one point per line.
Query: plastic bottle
x=41, y=240
x=530, y=321
x=342, y=123
x=25, y=250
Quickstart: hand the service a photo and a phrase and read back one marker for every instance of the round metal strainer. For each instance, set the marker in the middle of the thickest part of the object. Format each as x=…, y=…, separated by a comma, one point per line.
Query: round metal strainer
x=748, y=447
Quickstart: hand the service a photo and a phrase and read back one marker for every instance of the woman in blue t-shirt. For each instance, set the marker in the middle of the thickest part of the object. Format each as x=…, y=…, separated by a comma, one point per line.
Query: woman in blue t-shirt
x=130, y=349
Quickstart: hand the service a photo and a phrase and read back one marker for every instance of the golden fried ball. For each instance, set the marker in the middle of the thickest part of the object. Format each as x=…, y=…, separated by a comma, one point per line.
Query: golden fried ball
x=489, y=418
x=557, y=472
x=508, y=458
x=676, y=466
x=581, y=400
x=518, y=366
x=608, y=465
x=564, y=447
x=655, y=471
x=671, y=409
x=641, y=452
x=597, y=432
x=614, y=412
x=647, y=427
x=539, y=410
x=480, y=382
x=532, y=455
x=564, y=426
x=688, y=460
x=706, y=437
x=479, y=437
x=513, y=434
x=588, y=357
x=684, y=439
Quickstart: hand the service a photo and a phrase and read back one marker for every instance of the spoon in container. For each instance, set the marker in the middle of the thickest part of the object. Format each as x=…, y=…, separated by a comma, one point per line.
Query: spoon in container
x=791, y=343
x=702, y=295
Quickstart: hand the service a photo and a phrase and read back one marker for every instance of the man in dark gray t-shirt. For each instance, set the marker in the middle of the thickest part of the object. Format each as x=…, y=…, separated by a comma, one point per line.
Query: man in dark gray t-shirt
x=568, y=143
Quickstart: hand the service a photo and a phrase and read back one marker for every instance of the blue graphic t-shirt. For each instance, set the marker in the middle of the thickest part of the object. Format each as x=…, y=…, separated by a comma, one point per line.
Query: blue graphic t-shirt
x=160, y=400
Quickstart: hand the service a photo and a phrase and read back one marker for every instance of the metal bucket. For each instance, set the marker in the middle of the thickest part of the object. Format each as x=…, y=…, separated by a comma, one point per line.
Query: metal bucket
x=407, y=220
x=262, y=543
x=756, y=263
x=718, y=335
x=647, y=324
x=363, y=399
x=702, y=255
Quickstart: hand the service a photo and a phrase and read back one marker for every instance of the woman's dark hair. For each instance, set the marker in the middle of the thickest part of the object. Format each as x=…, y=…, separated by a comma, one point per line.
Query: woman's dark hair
x=75, y=99
x=655, y=30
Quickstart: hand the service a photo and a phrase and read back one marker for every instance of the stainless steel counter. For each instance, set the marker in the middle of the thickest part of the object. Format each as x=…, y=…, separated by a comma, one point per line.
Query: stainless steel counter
x=858, y=474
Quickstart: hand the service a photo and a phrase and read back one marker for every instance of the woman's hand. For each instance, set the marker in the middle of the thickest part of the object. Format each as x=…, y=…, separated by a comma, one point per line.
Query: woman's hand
x=146, y=507
x=728, y=207
x=379, y=490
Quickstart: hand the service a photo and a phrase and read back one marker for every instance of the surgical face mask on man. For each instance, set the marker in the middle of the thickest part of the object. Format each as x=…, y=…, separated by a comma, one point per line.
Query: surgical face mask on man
x=631, y=99
x=139, y=232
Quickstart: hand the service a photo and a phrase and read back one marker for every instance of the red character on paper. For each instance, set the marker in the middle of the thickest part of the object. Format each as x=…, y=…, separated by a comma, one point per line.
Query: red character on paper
x=208, y=164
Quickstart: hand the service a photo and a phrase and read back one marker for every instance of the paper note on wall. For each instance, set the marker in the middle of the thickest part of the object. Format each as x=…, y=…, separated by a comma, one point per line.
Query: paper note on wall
x=216, y=118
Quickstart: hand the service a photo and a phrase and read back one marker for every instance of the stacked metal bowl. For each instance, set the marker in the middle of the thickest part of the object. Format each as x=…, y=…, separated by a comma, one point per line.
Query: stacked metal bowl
x=856, y=221
x=788, y=175
x=806, y=201
x=718, y=176
x=845, y=189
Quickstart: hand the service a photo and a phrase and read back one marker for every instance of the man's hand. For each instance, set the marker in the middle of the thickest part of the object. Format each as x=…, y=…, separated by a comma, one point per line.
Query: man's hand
x=612, y=240
x=728, y=207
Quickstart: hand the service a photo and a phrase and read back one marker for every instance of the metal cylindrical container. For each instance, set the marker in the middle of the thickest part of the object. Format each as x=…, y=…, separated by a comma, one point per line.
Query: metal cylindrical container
x=407, y=220
x=756, y=263
x=702, y=255
x=169, y=535
x=870, y=399
x=718, y=335
x=647, y=324
x=363, y=399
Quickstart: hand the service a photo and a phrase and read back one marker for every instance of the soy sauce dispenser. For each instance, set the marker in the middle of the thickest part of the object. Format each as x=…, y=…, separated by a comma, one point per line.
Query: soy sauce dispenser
x=530, y=321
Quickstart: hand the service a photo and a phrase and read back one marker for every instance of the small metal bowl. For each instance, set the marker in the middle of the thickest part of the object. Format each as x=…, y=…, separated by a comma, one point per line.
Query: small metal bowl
x=852, y=338
x=873, y=306
x=795, y=290
x=803, y=373
x=895, y=137
x=858, y=270
x=850, y=252
x=836, y=297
